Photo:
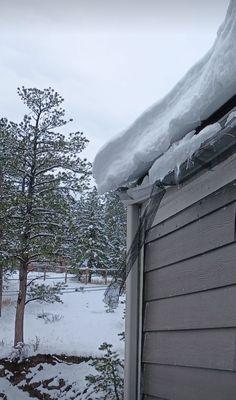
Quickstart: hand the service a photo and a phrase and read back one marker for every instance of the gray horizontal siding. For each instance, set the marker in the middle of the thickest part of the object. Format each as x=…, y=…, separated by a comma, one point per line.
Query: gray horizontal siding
x=212, y=231
x=181, y=197
x=181, y=383
x=212, y=309
x=189, y=346
x=216, y=200
x=209, y=270
x=153, y=398
x=206, y=349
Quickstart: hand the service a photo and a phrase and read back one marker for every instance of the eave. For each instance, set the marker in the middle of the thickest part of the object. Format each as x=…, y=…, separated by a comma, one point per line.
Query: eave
x=212, y=152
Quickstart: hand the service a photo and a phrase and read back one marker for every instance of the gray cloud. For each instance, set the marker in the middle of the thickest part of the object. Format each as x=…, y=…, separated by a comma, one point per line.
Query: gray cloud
x=103, y=15
x=109, y=59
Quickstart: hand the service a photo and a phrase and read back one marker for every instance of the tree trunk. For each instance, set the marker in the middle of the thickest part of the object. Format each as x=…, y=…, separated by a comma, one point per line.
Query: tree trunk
x=89, y=269
x=1, y=234
x=20, y=308
x=90, y=276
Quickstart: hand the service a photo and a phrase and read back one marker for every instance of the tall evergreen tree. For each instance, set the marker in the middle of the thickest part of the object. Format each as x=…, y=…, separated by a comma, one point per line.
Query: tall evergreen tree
x=49, y=171
x=7, y=194
x=115, y=221
x=93, y=239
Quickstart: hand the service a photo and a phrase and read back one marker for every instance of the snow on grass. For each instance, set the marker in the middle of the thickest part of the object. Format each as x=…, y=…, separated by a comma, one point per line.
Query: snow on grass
x=81, y=325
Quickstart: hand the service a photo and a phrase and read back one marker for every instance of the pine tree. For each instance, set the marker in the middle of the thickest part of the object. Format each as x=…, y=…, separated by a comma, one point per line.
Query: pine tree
x=92, y=232
x=115, y=220
x=72, y=248
x=7, y=194
x=108, y=382
x=49, y=171
x=45, y=293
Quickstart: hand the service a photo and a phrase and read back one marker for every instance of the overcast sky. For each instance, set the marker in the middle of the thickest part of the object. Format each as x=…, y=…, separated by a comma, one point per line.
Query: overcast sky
x=110, y=59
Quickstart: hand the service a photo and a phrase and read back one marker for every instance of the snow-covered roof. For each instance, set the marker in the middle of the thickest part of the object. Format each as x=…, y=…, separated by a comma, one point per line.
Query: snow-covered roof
x=205, y=88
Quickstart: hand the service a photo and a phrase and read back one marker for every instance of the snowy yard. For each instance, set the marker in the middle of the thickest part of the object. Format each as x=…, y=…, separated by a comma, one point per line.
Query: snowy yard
x=75, y=328
x=81, y=325
x=59, y=380
x=13, y=392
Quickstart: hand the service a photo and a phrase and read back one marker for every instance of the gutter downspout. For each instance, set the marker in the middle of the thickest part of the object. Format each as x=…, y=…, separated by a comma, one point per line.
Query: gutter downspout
x=132, y=320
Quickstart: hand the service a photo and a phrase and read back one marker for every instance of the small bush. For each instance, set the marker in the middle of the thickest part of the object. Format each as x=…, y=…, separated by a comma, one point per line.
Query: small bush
x=49, y=317
x=36, y=344
x=109, y=381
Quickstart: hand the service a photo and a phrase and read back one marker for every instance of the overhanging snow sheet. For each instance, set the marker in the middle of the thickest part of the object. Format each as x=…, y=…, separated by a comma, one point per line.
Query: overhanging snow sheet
x=204, y=89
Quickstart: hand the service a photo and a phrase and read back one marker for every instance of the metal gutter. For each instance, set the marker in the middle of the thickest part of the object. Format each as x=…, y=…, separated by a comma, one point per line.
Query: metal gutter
x=211, y=153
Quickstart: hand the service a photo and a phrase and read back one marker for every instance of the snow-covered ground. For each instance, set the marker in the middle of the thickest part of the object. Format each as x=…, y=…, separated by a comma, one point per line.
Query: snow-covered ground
x=59, y=380
x=73, y=374
x=70, y=373
x=12, y=392
x=81, y=325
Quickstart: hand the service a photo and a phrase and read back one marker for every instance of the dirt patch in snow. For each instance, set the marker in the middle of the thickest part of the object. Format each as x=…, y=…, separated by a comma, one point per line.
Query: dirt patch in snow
x=27, y=376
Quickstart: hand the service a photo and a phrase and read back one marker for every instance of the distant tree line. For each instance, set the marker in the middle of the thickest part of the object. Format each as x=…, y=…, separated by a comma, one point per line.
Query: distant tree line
x=99, y=232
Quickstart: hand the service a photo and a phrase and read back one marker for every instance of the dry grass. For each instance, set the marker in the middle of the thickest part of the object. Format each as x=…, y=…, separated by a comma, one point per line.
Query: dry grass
x=6, y=302
x=100, y=281
x=96, y=280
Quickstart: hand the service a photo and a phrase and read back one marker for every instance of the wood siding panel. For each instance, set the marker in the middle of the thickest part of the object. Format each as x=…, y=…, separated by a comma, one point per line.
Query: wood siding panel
x=206, y=349
x=153, y=398
x=182, y=196
x=189, y=347
x=210, y=232
x=180, y=383
x=210, y=270
x=212, y=309
x=198, y=210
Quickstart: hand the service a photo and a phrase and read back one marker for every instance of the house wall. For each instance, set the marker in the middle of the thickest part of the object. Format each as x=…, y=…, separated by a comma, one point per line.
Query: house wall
x=132, y=314
x=189, y=300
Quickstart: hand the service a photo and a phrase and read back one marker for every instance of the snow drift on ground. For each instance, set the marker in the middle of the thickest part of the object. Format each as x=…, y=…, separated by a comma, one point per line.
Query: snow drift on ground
x=81, y=324
x=207, y=86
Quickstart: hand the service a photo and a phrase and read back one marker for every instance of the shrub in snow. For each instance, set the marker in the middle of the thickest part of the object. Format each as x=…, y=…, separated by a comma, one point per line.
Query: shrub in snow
x=111, y=296
x=53, y=318
x=109, y=381
x=49, y=317
x=36, y=344
x=20, y=352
